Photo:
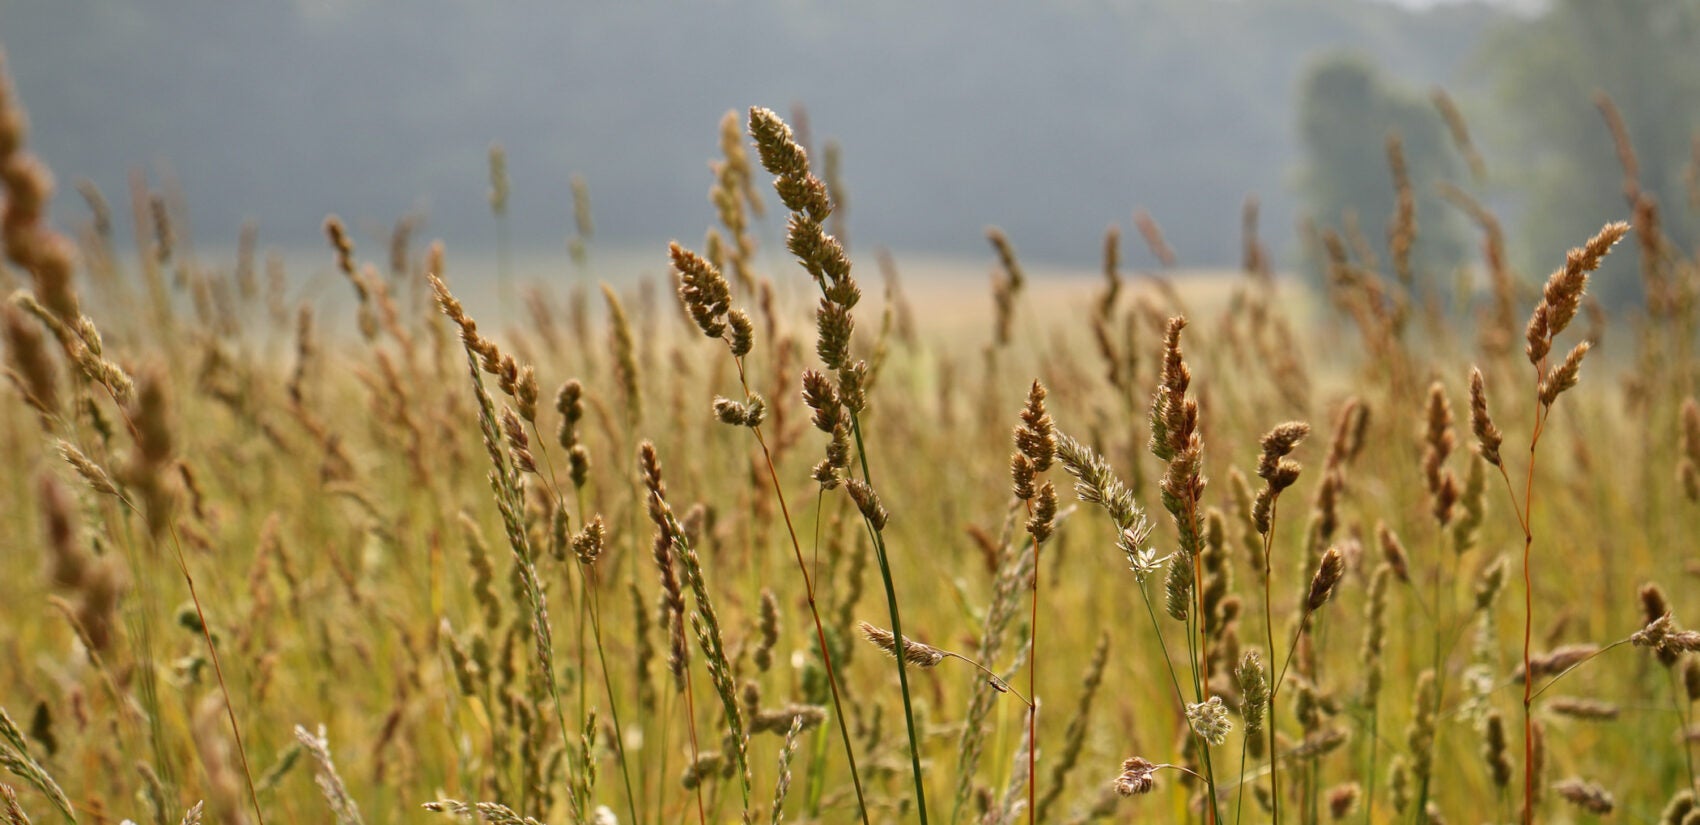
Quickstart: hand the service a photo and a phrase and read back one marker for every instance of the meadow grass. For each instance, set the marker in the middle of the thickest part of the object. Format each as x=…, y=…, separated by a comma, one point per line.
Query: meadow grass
x=642, y=551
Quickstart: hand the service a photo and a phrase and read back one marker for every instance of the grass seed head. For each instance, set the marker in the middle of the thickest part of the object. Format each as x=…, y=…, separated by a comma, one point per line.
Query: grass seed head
x=914, y=652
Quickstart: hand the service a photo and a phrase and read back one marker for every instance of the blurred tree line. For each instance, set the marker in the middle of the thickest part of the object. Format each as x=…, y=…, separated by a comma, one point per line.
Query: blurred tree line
x=1554, y=170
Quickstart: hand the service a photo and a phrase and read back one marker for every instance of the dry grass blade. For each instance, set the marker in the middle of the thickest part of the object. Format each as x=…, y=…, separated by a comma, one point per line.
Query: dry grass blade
x=317, y=747
x=15, y=758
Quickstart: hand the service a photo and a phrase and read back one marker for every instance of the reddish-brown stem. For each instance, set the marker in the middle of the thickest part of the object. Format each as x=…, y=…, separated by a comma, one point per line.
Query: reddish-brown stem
x=212, y=652
x=1275, y=686
x=1529, y=611
x=206, y=633
x=814, y=610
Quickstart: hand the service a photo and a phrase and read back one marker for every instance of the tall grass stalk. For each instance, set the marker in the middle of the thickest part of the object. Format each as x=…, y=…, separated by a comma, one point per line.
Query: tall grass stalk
x=704, y=291
x=1560, y=300
x=825, y=259
x=878, y=536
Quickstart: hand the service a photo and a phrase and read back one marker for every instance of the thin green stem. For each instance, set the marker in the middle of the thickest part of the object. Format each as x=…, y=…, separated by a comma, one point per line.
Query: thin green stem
x=1197, y=647
x=1180, y=698
x=1439, y=672
x=1529, y=618
x=588, y=593
x=1174, y=678
x=1239, y=802
x=896, y=625
x=1684, y=714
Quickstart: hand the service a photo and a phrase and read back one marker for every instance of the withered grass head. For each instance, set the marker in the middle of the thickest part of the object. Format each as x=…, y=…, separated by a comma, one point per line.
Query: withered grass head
x=1174, y=416
x=1562, y=295
x=1328, y=573
x=1488, y=436
x=1137, y=777
x=1277, y=444
x=783, y=157
x=704, y=291
x=1036, y=436
x=1588, y=796
x=868, y=502
x=914, y=652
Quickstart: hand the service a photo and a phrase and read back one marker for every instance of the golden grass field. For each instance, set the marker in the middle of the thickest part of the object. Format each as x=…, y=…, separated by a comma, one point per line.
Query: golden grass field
x=565, y=553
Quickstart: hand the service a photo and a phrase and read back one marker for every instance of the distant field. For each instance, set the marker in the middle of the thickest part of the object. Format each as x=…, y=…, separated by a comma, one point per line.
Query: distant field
x=339, y=540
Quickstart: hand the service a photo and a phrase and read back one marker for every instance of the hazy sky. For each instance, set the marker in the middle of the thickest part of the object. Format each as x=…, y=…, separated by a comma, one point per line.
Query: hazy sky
x=1052, y=120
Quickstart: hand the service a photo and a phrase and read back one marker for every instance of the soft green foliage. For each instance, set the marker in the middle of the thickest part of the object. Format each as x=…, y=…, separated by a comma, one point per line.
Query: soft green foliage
x=1347, y=108
x=1641, y=54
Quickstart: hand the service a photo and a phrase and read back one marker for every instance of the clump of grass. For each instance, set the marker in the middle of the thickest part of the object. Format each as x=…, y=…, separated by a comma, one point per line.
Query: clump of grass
x=319, y=485
x=826, y=261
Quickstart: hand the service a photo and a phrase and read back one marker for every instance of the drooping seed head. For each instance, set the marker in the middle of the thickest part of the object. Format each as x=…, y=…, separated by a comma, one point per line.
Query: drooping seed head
x=1277, y=444
x=914, y=652
x=1579, y=707
x=1136, y=777
x=868, y=502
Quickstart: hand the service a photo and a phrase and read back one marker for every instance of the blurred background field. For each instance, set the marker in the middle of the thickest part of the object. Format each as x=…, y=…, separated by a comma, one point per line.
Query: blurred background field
x=211, y=381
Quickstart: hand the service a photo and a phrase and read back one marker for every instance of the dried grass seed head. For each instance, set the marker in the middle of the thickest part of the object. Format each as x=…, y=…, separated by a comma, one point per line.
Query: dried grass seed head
x=1022, y=474
x=1562, y=294
x=782, y=156
x=1209, y=719
x=914, y=652
x=1277, y=444
x=1254, y=691
x=1564, y=375
x=1488, y=436
x=1393, y=551
x=1043, y=521
x=1328, y=573
x=1036, y=437
x=1589, y=796
x=703, y=290
x=588, y=542
x=868, y=502
x=1136, y=777
x=821, y=396
x=1496, y=750
x=1173, y=415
